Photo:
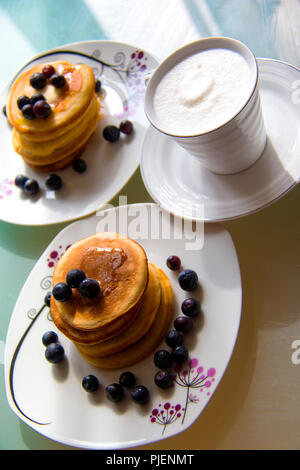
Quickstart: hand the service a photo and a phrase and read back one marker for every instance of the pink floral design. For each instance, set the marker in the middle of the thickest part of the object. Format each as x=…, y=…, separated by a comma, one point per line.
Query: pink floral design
x=55, y=255
x=192, y=377
x=6, y=187
x=166, y=415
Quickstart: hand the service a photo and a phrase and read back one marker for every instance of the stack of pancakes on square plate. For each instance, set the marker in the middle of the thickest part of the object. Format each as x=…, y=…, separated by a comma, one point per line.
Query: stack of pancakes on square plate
x=54, y=142
x=130, y=317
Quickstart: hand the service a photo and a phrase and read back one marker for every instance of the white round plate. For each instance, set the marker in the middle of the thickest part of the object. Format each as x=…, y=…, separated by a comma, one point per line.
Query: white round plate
x=182, y=186
x=122, y=70
x=50, y=397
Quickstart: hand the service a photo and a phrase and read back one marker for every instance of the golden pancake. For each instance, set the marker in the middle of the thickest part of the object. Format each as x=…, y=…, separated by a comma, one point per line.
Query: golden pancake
x=53, y=142
x=94, y=336
x=138, y=328
x=54, y=150
x=67, y=103
x=120, y=266
x=148, y=343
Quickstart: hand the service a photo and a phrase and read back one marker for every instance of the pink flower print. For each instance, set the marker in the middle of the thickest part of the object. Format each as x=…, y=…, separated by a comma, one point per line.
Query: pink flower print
x=168, y=415
x=6, y=187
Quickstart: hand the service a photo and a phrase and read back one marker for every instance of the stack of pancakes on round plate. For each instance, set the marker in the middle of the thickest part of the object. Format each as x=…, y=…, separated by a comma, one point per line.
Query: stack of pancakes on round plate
x=54, y=142
x=130, y=317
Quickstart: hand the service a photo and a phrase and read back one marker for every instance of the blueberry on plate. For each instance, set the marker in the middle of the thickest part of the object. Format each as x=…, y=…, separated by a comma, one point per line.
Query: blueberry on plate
x=114, y=392
x=54, y=353
x=75, y=277
x=90, y=383
x=38, y=81
x=47, y=298
x=79, y=165
x=163, y=379
x=191, y=307
x=20, y=180
x=48, y=70
x=22, y=100
x=140, y=394
x=98, y=85
x=31, y=187
x=37, y=97
x=188, y=280
x=49, y=337
x=62, y=292
x=89, y=288
x=4, y=110
x=174, y=338
x=57, y=80
x=41, y=109
x=53, y=182
x=180, y=354
x=163, y=359
x=111, y=133
x=183, y=324
x=27, y=111
x=126, y=127
x=127, y=379
x=173, y=262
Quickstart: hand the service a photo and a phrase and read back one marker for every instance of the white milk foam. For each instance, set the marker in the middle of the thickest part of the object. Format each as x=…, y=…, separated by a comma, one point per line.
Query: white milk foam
x=202, y=92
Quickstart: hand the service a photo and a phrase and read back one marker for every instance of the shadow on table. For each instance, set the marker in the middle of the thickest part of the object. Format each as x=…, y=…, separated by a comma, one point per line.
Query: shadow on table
x=49, y=24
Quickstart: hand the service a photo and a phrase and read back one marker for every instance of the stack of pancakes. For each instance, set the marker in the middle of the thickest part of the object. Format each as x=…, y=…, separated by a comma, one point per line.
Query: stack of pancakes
x=133, y=313
x=54, y=142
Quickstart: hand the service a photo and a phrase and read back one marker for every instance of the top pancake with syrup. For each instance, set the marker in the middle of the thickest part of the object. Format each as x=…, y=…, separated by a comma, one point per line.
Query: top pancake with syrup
x=120, y=266
x=67, y=103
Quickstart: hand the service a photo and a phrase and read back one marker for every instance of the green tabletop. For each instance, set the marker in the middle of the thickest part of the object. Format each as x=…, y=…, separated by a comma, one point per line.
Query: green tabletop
x=255, y=406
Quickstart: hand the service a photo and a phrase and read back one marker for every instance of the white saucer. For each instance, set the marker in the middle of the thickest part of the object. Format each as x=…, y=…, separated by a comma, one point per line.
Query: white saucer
x=182, y=186
x=122, y=70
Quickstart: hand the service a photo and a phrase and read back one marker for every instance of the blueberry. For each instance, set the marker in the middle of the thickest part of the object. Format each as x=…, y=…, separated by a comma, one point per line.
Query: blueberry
x=183, y=324
x=54, y=353
x=163, y=379
x=58, y=81
x=111, y=133
x=127, y=379
x=27, y=111
x=62, y=292
x=126, y=127
x=188, y=280
x=49, y=337
x=163, y=359
x=173, y=262
x=37, y=97
x=48, y=70
x=47, y=298
x=22, y=100
x=114, y=392
x=75, y=277
x=98, y=86
x=79, y=165
x=89, y=288
x=38, y=81
x=140, y=394
x=90, y=383
x=53, y=182
x=191, y=307
x=20, y=180
x=31, y=187
x=174, y=338
x=41, y=109
x=180, y=354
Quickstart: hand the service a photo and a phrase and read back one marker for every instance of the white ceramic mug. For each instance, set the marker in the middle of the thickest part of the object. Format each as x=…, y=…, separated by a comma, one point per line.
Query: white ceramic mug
x=234, y=145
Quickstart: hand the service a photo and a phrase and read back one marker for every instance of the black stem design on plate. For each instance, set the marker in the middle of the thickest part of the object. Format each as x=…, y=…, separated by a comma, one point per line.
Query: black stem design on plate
x=12, y=365
x=115, y=67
